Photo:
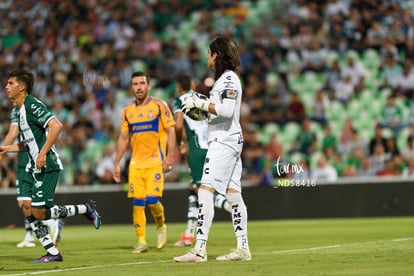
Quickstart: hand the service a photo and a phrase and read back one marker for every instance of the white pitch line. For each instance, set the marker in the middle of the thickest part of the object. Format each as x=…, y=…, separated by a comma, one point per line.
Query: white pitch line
x=84, y=268
x=306, y=249
x=402, y=239
x=259, y=253
x=339, y=245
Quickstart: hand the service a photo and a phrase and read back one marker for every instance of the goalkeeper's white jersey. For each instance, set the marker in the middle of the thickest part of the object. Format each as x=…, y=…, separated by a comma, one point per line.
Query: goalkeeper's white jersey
x=226, y=130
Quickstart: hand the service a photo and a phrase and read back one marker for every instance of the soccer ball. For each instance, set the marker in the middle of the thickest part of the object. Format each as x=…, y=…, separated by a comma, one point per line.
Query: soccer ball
x=198, y=114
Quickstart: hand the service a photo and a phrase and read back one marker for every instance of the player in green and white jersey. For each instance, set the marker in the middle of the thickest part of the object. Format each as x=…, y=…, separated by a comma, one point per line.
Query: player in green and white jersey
x=196, y=135
x=23, y=192
x=39, y=129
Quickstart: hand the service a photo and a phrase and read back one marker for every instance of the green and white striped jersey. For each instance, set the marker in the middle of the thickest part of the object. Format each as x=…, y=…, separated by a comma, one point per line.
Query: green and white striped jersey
x=33, y=119
x=196, y=131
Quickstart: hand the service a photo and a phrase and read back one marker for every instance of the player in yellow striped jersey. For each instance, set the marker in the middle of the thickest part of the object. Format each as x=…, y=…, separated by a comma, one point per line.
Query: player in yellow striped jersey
x=148, y=127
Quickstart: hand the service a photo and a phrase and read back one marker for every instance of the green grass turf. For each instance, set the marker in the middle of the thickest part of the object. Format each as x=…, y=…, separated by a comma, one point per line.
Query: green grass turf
x=363, y=246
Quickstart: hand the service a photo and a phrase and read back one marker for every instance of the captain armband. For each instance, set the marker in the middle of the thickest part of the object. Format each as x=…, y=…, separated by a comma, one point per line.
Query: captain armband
x=229, y=94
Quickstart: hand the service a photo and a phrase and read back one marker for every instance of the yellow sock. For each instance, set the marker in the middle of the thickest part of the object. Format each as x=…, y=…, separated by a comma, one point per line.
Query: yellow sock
x=157, y=211
x=142, y=240
x=140, y=222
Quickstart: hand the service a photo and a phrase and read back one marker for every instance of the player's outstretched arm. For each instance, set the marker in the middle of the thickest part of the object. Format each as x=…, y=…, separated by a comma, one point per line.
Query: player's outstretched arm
x=11, y=135
x=12, y=148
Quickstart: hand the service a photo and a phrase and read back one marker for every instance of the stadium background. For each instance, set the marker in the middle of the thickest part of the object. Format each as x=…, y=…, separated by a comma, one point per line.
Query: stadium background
x=83, y=54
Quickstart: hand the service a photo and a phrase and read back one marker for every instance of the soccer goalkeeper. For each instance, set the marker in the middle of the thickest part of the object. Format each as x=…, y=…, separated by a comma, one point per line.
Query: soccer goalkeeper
x=223, y=166
x=196, y=135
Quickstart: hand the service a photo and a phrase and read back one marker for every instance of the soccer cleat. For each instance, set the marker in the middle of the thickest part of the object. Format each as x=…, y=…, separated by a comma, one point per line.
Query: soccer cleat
x=238, y=254
x=140, y=248
x=49, y=258
x=193, y=256
x=161, y=236
x=184, y=241
x=26, y=243
x=92, y=214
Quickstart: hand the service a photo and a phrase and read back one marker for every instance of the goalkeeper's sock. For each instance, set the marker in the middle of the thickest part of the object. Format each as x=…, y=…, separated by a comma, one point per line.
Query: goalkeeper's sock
x=140, y=221
x=192, y=215
x=157, y=211
x=239, y=219
x=220, y=201
x=42, y=235
x=63, y=211
x=205, y=217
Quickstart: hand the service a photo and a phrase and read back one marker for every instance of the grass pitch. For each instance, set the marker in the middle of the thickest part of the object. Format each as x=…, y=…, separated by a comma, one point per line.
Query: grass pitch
x=363, y=246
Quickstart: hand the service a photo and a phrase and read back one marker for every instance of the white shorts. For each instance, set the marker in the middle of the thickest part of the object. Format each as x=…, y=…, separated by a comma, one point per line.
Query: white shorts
x=222, y=168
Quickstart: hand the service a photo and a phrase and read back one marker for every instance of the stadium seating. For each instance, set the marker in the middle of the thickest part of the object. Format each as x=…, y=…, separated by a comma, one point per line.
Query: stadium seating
x=363, y=109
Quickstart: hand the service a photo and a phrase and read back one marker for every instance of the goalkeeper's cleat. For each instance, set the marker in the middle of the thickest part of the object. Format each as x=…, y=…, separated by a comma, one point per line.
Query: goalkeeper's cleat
x=193, y=256
x=238, y=254
x=140, y=248
x=92, y=214
x=161, y=236
x=184, y=241
x=49, y=258
x=26, y=243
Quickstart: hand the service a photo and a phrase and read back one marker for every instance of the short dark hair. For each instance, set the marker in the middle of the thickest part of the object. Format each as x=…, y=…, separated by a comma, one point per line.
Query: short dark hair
x=184, y=81
x=140, y=74
x=228, y=57
x=24, y=76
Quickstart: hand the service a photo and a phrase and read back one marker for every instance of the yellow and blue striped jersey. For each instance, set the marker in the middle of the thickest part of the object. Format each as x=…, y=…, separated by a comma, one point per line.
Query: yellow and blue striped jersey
x=147, y=125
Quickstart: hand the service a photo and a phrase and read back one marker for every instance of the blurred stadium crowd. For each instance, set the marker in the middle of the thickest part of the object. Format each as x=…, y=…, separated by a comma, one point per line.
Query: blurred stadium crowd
x=328, y=84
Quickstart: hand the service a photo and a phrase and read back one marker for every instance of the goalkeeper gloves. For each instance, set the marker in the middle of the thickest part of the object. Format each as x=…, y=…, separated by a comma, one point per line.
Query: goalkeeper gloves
x=195, y=102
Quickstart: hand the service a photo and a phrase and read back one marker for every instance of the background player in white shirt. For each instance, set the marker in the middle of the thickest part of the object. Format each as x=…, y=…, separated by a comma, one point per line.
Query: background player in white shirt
x=222, y=167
